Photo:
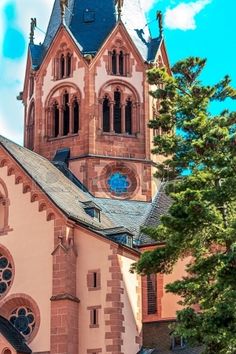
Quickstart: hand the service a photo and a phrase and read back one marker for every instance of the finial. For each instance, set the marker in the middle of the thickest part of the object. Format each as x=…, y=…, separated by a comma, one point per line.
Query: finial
x=33, y=25
x=160, y=21
x=119, y=4
x=63, y=5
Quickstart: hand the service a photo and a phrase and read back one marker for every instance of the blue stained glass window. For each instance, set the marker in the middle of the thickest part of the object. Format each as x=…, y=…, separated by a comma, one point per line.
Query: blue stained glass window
x=118, y=183
x=23, y=319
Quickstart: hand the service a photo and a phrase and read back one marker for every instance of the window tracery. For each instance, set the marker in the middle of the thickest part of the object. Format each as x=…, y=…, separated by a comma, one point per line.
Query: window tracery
x=119, y=60
x=63, y=64
x=119, y=110
x=63, y=114
x=23, y=319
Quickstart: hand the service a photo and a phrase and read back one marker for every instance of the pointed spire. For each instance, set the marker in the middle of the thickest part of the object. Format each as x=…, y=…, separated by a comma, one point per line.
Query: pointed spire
x=63, y=5
x=160, y=22
x=119, y=4
x=33, y=25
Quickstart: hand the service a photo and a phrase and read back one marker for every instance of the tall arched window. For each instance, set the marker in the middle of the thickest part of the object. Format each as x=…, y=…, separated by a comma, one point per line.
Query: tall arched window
x=114, y=62
x=31, y=127
x=119, y=60
x=4, y=208
x=55, y=112
x=128, y=116
x=68, y=65
x=62, y=66
x=31, y=86
x=66, y=114
x=121, y=63
x=117, y=111
x=106, y=114
x=120, y=114
x=75, y=116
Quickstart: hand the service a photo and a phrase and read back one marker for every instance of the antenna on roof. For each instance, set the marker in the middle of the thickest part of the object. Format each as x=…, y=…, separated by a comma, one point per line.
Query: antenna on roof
x=63, y=5
x=159, y=17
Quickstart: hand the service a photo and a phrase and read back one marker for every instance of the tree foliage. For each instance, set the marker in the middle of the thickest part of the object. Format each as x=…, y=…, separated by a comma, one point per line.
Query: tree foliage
x=202, y=218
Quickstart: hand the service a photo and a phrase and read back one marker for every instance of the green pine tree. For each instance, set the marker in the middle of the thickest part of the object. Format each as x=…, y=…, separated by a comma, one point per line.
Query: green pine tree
x=202, y=218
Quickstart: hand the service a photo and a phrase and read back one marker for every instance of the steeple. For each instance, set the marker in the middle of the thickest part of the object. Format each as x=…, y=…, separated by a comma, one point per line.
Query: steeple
x=91, y=21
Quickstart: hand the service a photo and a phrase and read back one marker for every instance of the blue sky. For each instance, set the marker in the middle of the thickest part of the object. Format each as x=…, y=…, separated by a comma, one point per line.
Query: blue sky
x=203, y=28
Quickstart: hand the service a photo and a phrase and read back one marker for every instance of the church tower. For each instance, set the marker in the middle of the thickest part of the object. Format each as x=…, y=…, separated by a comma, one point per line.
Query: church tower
x=86, y=95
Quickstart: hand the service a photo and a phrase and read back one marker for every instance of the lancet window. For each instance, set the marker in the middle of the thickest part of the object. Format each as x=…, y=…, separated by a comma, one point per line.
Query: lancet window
x=119, y=61
x=63, y=65
x=30, y=127
x=4, y=209
x=63, y=115
x=120, y=113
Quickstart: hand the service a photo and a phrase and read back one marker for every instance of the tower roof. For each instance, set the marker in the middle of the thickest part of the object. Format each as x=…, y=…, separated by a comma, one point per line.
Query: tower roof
x=91, y=21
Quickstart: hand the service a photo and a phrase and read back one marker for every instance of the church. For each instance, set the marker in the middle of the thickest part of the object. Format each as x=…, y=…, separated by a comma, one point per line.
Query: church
x=74, y=198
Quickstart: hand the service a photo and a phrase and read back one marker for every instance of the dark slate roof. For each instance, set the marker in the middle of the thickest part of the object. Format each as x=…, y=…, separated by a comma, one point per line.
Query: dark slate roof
x=13, y=336
x=64, y=193
x=160, y=206
x=36, y=52
x=127, y=213
x=90, y=35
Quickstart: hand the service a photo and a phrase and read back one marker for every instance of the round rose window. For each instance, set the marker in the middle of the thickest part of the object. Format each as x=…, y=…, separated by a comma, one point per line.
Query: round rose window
x=6, y=274
x=23, y=319
x=118, y=183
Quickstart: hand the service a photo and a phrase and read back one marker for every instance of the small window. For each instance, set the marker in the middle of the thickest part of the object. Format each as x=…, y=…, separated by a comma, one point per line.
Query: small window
x=94, y=316
x=94, y=280
x=178, y=342
x=93, y=212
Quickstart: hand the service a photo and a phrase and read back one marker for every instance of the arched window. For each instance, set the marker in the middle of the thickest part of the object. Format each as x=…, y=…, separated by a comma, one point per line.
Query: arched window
x=31, y=86
x=55, y=112
x=31, y=127
x=119, y=60
x=7, y=351
x=114, y=62
x=128, y=116
x=4, y=210
x=75, y=116
x=62, y=66
x=66, y=114
x=120, y=114
x=121, y=63
x=106, y=114
x=68, y=65
x=117, y=111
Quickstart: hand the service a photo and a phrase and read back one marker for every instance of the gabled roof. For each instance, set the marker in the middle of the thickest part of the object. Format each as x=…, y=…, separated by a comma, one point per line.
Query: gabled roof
x=13, y=336
x=71, y=197
x=64, y=193
x=91, y=21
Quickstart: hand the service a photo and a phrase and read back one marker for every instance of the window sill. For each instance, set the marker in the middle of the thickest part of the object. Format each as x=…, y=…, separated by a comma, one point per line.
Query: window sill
x=93, y=326
x=63, y=137
x=94, y=289
x=62, y=78
x=119, y=75
x=123, y=135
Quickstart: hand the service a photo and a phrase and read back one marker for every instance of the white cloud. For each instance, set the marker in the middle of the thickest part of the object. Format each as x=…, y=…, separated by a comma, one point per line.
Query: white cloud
x=147, y=4
x=183, y=15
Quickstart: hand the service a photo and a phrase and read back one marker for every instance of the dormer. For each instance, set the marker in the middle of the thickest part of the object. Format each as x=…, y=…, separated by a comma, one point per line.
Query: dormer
x=93, y=210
